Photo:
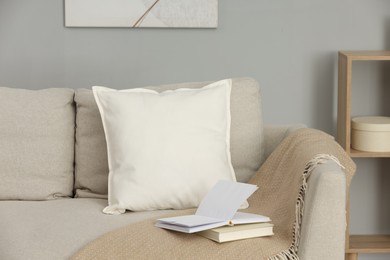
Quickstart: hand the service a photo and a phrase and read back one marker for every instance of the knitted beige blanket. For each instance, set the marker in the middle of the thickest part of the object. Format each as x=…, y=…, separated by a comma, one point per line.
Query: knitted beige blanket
x=281, y=194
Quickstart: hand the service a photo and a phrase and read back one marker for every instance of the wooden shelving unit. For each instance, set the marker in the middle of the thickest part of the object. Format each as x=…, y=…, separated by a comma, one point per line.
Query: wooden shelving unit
x=361, y=154
x=369, y=244
x=356, y=244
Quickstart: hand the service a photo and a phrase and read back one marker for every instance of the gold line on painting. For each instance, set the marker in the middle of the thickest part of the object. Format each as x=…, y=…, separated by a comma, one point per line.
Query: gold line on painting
x=139, y=21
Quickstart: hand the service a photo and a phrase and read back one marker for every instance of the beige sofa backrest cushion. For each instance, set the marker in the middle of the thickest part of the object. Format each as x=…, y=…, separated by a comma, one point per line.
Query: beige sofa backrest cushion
x=36, y=143
x=91, y=163
x=91, y=152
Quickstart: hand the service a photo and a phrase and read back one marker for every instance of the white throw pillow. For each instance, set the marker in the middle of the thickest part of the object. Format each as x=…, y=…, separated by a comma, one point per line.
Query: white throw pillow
x=165, y=150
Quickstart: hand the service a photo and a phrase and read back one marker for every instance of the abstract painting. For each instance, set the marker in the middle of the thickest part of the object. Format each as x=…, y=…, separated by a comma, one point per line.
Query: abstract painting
x=142, y=13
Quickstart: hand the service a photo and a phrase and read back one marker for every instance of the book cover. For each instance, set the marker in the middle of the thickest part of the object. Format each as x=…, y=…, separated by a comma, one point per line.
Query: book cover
x=238, y=232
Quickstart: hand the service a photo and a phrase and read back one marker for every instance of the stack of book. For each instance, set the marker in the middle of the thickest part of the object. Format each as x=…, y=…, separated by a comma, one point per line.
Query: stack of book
x=217, y=217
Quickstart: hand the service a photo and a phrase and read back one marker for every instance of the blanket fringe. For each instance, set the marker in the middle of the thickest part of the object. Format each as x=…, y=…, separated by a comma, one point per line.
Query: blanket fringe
x=292, y=252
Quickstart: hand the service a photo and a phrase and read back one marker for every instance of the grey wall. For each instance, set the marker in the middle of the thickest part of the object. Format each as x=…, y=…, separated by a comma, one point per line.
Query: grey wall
x=289, y=46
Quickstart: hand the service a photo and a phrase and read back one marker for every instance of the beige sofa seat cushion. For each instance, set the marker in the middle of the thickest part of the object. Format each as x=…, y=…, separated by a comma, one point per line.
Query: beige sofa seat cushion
x=36, y=144
x=46, y=230
x=246, y=135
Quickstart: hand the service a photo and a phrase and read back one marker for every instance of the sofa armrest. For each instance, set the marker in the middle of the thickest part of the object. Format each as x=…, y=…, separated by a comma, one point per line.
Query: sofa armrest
x=274, y=134
x=324, y=218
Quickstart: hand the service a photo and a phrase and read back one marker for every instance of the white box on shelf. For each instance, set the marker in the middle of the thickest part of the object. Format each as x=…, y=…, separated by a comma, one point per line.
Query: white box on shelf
x=371, y=134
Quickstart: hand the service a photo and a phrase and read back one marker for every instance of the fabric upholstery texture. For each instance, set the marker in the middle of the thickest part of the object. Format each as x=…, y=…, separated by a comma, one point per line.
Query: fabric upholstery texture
x=165, y=150
x=276, y=134
x=57, y=229
x=91, y=168
x=36, y=144
x=324, y=202
x=247, y=151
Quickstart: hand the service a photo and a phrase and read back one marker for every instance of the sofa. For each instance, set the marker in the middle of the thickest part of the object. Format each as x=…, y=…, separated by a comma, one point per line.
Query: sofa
x=54, y=171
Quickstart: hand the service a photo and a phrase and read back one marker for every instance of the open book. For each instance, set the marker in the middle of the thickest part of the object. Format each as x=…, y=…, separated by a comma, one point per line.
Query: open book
x=218, y=208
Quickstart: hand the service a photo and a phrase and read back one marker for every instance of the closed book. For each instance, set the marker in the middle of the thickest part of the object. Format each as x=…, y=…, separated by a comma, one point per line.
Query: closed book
x=237, y=232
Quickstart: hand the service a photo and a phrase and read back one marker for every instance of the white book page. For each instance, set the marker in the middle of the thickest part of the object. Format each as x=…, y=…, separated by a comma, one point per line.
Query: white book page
x=189, y=220
x=224, y=199
x=189, y=229
x=246, y=218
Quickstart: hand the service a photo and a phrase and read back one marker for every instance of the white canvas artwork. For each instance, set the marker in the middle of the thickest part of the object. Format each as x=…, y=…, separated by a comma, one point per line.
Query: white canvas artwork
x=142, y=13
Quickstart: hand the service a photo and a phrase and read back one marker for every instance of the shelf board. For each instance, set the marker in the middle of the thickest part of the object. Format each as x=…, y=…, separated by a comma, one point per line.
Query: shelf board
x=366, y=55
x=369, y=244
x=362, y=154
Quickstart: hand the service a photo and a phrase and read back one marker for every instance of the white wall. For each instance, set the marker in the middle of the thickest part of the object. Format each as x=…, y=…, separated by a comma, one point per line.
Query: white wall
x=290, y=46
